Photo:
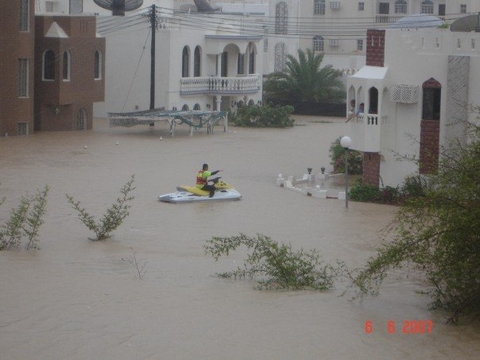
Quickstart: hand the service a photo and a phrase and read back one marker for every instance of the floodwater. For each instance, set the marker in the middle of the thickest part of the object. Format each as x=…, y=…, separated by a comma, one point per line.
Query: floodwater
x=78, y=299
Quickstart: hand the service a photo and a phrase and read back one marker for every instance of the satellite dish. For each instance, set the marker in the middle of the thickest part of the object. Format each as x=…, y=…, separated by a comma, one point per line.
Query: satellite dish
x=119, y=7
x=466, y=24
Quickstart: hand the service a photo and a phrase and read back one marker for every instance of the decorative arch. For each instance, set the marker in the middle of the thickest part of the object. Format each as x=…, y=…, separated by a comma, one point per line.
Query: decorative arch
x=196, y=106
x=185, y=107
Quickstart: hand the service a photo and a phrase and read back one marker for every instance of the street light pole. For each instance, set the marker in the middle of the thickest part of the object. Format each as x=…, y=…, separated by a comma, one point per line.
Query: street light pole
x=346, y=142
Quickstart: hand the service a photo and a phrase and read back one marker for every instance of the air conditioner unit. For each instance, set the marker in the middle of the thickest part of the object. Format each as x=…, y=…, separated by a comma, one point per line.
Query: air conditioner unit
x=402, y=93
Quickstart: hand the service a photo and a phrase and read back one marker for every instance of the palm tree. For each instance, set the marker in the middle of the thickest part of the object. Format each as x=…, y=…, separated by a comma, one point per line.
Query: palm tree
x=304, y=83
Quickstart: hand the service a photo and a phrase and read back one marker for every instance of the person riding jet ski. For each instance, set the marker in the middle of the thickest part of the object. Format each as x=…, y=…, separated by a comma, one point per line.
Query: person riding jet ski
x=202, y=179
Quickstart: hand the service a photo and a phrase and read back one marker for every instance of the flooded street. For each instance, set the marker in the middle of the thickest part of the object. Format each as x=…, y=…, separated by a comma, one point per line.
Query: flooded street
x=78, y=299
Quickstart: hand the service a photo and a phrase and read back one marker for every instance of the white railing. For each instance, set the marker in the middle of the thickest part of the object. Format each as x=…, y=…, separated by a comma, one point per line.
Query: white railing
x=220, y=85
x=367, y=130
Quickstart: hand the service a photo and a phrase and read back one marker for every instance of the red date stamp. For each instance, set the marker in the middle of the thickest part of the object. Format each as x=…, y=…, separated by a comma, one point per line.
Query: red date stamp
x=406, y=327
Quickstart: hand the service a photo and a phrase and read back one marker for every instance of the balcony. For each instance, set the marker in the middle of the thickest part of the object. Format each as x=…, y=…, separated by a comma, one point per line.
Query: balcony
x=220, y=85
x=365, y=130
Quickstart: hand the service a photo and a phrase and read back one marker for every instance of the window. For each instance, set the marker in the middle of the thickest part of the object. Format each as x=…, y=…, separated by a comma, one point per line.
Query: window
x=49, y=65
x=318, y=43
x=400, y=7
x=334, y=42
x=281, y=18
x=66, y=66
x=76, y=7
x=251, y=62
x=241, y=64
x=265, y=40
x=280, y=57
x=185, y=61
x=98, y=65
x=463, y=8
x=81, y=119
x=360, y=45
x=427, y=7
x=22, y=78
x=361, y=6
x=319, y=7
x=431, y=104
x=224, y=64
x=24, y=15
x=197, y=62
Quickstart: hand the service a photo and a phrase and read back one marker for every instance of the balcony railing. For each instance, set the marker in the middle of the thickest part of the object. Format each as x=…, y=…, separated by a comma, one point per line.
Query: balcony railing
x=220, y=85
x=366, y=128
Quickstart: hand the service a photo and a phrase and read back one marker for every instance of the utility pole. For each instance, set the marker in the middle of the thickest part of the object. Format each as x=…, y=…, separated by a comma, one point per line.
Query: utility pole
x=153, y=24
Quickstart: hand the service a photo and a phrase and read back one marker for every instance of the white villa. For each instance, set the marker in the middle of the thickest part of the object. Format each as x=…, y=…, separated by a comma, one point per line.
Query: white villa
x=417, y=85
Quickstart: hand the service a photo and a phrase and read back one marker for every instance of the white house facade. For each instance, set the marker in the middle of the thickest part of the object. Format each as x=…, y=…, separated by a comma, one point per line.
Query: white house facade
x=417, y=87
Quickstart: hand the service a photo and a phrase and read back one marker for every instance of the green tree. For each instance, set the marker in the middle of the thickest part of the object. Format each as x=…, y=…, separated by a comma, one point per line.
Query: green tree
x=304, y=82
x=263, y=116
x=439, y=233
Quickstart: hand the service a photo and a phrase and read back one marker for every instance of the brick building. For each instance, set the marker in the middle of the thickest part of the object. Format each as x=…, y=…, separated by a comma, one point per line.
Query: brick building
x=51, y=70
x=16, y=67
x=70, y=68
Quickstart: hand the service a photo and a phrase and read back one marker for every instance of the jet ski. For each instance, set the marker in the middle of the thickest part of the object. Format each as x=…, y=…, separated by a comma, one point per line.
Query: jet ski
x=187, y=194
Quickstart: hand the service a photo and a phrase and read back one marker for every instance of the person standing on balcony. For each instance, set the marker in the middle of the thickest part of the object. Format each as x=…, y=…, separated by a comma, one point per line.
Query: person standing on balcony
x=360, y=110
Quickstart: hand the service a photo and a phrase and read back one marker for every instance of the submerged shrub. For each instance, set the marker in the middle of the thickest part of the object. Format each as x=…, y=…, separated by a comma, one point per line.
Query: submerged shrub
x=25, y=221
x=114, y=216
x=274, y=265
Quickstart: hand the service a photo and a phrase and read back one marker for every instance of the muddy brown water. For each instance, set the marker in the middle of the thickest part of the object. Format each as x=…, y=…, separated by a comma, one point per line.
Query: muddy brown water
x=78, y=299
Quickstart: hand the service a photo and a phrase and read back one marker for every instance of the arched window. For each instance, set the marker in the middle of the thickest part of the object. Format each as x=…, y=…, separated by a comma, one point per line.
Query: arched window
x=281, y=18
x=97, y=70
x=196, y=106
x=49, y=65
x=400, y=7
x=66, y=66
x=251, y=61
x=280, y=57
x=185, y=107
x=224, y=68
x=427, y=7
x=432, y=91
x=185, y=61
x=319, y=7
x=373, y=104
x=318, y=43
x=197, y=62
x=430, y=126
